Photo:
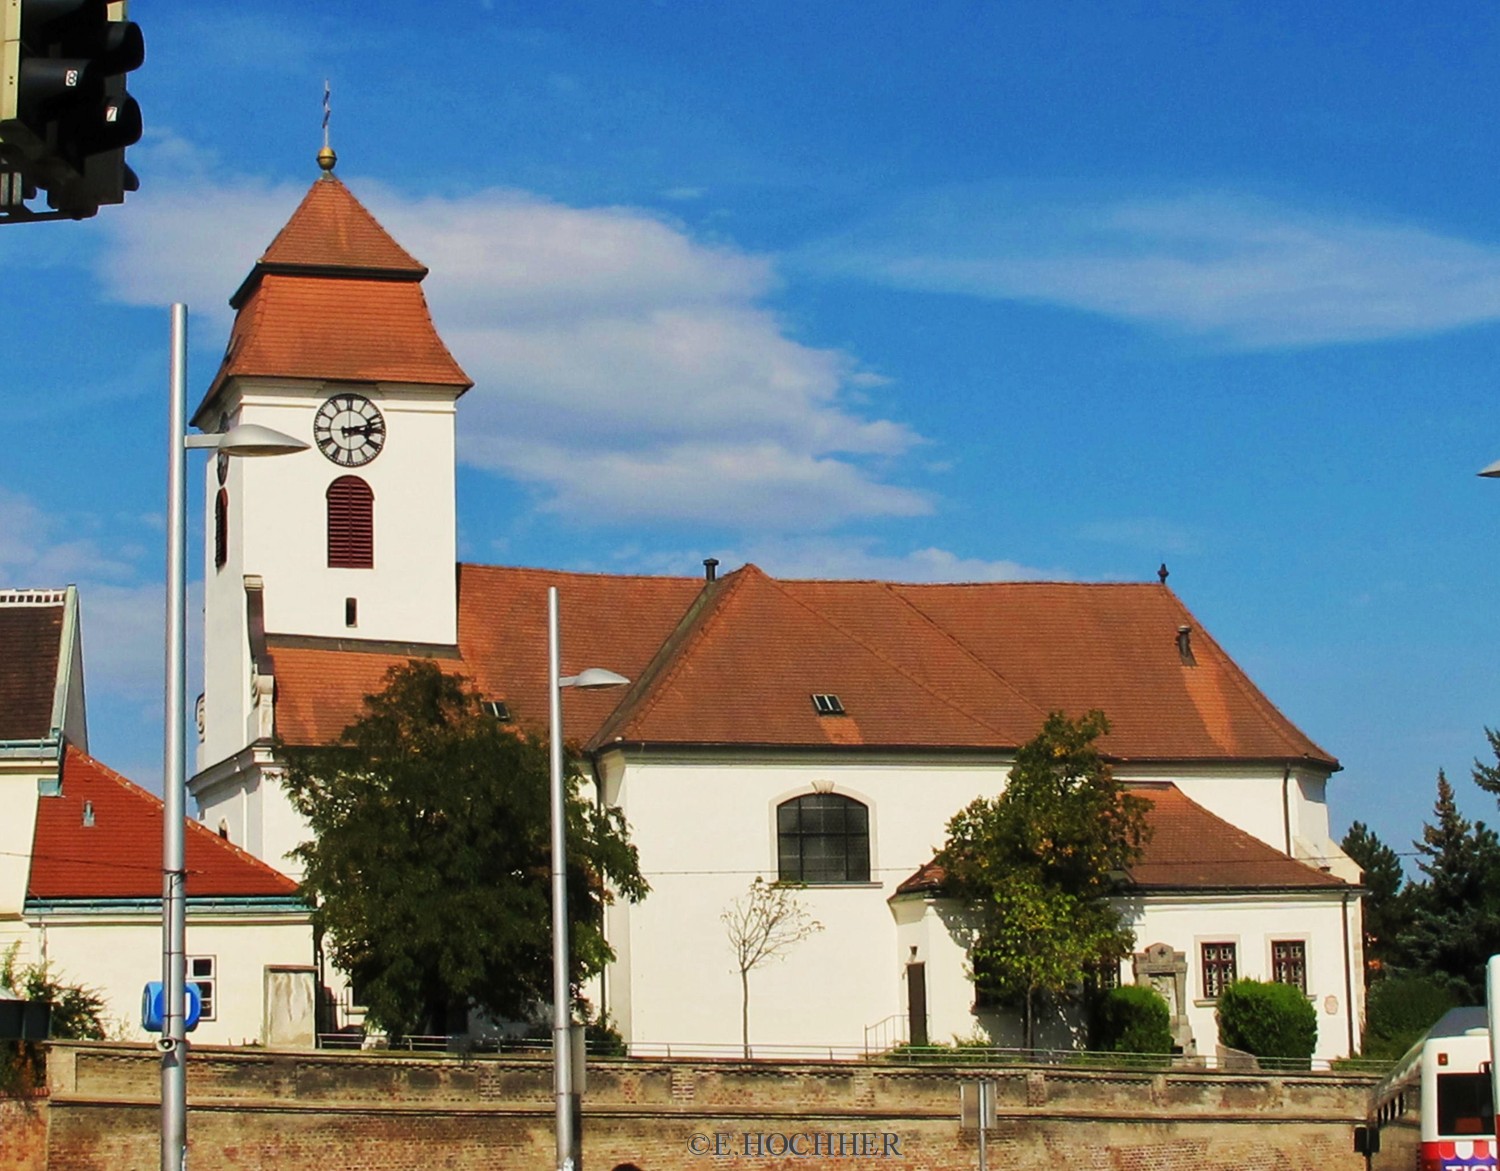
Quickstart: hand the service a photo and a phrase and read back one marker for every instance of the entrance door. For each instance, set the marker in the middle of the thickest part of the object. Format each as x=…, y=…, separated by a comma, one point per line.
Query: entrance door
x=916, y=1003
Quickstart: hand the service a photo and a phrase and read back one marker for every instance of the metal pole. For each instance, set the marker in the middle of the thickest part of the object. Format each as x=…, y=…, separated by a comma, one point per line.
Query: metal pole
x=562, y=1009
x=174, y=773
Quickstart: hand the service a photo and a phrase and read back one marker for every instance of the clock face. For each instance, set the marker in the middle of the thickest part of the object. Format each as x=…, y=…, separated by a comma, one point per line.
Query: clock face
x=349, y=430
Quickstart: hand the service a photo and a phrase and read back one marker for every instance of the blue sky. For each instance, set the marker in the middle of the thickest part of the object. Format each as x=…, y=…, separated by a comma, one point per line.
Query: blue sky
x=922, y=291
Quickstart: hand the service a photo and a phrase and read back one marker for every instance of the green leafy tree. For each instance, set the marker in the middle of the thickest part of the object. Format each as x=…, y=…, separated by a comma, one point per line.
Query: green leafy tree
x=1387, y=906
x=1039, y=863
x=430, y=865
x=1455, y=909
x=77, y=1014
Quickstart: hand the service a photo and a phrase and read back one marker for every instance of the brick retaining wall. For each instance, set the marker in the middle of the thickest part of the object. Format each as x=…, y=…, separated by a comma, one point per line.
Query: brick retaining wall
x=23, y=1134
x=258, y=1110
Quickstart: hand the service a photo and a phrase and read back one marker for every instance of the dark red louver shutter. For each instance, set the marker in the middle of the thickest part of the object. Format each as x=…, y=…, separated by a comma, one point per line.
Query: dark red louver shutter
x=351, y=524
x=221, y=529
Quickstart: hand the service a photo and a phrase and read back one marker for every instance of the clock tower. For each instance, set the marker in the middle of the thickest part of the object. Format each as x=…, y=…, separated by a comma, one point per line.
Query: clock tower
x=350, y=543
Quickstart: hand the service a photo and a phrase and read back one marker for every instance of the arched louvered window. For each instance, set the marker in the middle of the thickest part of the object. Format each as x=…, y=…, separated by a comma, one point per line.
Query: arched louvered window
x=221, y=528
x=351, y=524
x=823, y=837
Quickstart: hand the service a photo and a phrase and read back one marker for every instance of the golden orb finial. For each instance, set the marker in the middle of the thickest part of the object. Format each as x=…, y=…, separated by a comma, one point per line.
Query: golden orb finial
x=327, y=159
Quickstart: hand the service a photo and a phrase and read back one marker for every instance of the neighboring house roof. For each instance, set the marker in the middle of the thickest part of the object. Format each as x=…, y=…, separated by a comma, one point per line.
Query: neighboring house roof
x=31, y=635
x=736, y=662
x=333, y=298
x=1190, y=849
x=102, y=839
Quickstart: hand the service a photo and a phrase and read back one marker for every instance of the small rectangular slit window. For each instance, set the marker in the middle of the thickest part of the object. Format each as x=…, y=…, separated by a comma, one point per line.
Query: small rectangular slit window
x=351, y=611
x=827, y=705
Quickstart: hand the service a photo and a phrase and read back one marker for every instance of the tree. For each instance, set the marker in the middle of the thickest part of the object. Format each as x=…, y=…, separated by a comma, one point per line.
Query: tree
x=764, y=924
x=1387, y=907
x=1487, y=776
x=1268, y=1020
x=1455, y=911
x=1039, y=863
x=77, y=1014
x=430, y=865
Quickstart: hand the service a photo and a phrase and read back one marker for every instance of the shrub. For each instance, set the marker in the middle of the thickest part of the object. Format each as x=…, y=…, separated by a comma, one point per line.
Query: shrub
x=1132, y=1019
x=1268, y=1020
x=1399, y=1009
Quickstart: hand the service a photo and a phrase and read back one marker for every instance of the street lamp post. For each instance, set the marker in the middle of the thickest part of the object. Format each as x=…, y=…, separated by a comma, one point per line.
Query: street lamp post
x=562, y=1008
x=248, y=440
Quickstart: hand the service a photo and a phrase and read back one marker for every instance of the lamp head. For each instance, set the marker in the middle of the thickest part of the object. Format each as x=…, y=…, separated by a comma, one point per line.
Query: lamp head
x=593, y=678
x=1493, y=471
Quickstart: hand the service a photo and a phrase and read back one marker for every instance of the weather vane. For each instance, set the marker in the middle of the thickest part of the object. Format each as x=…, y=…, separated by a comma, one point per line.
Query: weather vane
x=326, y=158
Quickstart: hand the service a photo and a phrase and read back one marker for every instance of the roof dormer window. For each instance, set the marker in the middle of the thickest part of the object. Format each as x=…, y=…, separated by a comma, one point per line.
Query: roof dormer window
x=827, y=704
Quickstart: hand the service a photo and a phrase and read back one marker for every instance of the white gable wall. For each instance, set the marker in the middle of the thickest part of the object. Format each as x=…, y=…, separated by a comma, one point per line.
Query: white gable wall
x=115, y=953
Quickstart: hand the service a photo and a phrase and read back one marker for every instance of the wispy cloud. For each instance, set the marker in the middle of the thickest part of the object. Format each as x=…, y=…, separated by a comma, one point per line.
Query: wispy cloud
x=1239, y=271
x=839, y=558
x=602, y=330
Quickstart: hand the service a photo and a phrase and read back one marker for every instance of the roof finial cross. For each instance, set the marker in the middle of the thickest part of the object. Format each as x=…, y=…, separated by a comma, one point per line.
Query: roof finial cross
x=326, y=158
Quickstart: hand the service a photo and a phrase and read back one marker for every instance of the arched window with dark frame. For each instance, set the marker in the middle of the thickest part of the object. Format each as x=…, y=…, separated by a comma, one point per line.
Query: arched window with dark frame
x=351, y=524
x=823, y=837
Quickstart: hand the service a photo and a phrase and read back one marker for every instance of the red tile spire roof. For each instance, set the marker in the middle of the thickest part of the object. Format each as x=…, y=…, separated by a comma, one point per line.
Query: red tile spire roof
x=334, y=297
x=101, y=839
x=737, y=661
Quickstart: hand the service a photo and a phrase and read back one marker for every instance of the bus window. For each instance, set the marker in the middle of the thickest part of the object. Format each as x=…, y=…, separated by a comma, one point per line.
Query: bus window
x=1463, y=1104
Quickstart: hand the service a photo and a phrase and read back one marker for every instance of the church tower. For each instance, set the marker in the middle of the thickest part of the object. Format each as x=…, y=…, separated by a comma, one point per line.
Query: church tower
x=353, y=540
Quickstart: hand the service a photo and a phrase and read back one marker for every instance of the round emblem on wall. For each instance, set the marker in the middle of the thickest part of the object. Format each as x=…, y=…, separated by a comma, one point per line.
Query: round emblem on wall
x=349, y=429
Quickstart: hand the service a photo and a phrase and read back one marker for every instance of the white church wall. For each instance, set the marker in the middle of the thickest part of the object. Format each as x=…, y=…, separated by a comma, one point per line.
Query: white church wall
x=705, y=830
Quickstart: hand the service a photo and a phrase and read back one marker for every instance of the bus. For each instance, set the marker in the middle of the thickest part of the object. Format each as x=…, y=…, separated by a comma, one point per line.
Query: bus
x=1434, y=1111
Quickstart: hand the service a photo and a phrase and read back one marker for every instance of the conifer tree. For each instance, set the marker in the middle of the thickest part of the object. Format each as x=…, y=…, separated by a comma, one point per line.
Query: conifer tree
x=1387, y=906
x=1455, y=910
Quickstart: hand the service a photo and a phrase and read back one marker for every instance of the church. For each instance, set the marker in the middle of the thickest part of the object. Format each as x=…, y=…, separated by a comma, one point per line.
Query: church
x=816, y=732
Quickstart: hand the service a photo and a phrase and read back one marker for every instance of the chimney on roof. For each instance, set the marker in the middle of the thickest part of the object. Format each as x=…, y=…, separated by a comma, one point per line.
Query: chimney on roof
x=710, y=569
x=1162, y=574
x=1185, y=646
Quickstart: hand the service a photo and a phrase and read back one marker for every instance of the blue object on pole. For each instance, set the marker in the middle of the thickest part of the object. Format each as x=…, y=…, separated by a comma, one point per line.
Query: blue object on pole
x=154, y=1007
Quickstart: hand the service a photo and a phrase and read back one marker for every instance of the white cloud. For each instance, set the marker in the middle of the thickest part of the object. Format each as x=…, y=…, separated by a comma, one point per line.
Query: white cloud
x=122, y=617
x=600, y=330
x=1245, y=272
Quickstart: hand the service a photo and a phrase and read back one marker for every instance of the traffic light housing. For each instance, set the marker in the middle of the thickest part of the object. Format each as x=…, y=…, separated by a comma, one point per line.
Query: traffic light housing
x=65, y=116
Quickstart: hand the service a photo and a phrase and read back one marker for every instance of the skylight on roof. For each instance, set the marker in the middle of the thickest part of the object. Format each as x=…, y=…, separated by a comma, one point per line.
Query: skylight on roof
x=828, y=705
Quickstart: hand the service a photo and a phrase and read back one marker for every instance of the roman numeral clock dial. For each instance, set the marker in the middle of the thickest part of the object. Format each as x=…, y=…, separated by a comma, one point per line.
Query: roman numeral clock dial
x=349, y=429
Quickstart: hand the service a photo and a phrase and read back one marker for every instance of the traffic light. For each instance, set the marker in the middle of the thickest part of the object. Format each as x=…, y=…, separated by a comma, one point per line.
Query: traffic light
x=65, y=118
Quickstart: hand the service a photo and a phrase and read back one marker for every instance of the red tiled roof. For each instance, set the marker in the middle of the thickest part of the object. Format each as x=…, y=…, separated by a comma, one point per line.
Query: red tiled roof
x=1190, y=849
x=332, y=229
x=920, y=666
x=334, y=297
x=119, y=856
x=1193, y=848
x=30, y=645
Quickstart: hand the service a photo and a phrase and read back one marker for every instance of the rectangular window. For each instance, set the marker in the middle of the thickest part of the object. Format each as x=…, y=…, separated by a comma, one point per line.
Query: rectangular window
x=1218, y=969
x=200, y=971
x=1289, y=963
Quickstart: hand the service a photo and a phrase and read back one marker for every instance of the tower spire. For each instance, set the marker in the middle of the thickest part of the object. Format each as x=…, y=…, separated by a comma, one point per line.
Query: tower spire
x=326, y=158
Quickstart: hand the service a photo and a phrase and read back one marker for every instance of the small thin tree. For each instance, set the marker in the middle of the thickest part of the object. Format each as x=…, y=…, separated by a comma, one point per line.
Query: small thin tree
x=764, y=924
